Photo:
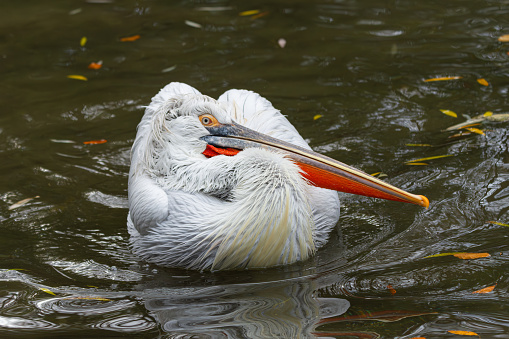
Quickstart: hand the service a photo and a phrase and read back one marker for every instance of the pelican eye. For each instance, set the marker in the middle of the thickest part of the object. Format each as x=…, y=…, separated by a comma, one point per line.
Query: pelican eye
x=208, y=120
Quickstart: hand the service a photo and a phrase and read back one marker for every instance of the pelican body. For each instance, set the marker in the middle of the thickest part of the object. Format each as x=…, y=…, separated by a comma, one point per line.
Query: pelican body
x=230, y=183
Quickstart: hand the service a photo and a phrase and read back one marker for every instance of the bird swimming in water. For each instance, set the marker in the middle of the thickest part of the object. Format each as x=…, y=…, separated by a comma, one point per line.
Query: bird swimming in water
x=231, y=184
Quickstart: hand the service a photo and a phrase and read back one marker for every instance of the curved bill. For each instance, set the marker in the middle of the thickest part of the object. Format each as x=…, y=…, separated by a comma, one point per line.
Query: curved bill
x=321, y=170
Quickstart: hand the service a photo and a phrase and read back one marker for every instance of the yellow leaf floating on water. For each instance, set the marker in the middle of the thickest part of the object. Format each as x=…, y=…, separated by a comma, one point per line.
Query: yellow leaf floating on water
x=250, y=12
x=21, y=203
x=46, y=290
x=471, y=125
x=130, y=38
x=471, y=255
x=463, y=333
x=483, y=82
x=417, y=163
x=87, y=298
x=504, y=38
x=83, y=41
x=443, y=78
x=475, y=130
x=486, y=289
x=429, y=158
x=318, y=116
x=449, y=113
x=498, y=223
x=77, y=77
x=487, y=114
x=461, y=255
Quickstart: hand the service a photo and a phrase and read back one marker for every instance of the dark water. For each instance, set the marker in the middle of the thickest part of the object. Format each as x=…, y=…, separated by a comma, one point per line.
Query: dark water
x=360, y=64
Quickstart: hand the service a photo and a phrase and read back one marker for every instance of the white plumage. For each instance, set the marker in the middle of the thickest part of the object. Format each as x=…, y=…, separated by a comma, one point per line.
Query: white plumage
x=253, y=209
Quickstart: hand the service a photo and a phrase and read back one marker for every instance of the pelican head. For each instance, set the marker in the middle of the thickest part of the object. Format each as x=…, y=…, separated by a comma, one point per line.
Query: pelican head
x=230, y=183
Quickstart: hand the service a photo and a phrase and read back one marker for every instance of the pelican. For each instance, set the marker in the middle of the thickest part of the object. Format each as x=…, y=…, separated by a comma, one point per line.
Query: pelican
x=231, y=184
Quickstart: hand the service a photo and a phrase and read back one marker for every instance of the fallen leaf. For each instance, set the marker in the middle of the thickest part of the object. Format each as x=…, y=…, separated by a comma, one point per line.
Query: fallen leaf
x=463, y=333
x=503, y=117
x=392, y=290
x=130, y=38
x=75, y=11
x=441, y=255
x=21, y=203
x=214, y=9
x=486, y=289
x=169, y=69
x=460, y=134
x=419, y=145
x=430, y=158
x=62, y=141
x=461, y=255
x=504, y=38
x=192, y=24
x=471, y=125
x=417, y=163
x=468, y=123
x=498, y=223
x=449, y=113
x=281, y=42
x=83, y=41
x=471, y=255
x=318, y=116
x=96, y=65
x=487, y=114
x=46, y=290
x=418, y=338
x=259, y=15
x=483, y=82
x=475, y=130
x=95, y=142
x=87, y=298
x=250, y=12
x=77, y=77
x=443, y=78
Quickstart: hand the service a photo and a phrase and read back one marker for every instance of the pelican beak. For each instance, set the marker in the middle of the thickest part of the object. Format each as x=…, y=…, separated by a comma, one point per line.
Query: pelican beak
x=319, y=169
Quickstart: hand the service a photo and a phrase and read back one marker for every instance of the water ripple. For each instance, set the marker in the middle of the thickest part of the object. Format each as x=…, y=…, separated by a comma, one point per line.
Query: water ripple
x=83, y=305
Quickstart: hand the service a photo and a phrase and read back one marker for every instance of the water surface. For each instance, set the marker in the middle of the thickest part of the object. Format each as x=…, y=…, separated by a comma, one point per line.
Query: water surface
x=65, y=265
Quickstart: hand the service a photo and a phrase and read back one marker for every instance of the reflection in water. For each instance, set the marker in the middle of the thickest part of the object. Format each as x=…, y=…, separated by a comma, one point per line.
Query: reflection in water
x=284, y=310
x=359, y=64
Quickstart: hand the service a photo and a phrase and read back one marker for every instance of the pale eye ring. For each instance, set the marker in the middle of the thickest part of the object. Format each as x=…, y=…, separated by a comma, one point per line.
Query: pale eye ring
x=206, y=121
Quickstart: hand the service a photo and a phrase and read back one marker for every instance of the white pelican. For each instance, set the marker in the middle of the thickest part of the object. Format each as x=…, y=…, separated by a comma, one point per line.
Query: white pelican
x=230, y=183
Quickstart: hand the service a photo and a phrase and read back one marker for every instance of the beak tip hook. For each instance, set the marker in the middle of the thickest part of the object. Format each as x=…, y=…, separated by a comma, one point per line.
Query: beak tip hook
x=424, y=201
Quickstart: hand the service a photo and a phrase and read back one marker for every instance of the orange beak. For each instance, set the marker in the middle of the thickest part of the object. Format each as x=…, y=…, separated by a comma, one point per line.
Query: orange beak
x=319, y=169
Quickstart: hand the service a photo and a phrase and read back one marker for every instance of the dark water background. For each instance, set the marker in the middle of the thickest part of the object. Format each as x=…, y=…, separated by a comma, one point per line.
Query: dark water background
x=360, y=64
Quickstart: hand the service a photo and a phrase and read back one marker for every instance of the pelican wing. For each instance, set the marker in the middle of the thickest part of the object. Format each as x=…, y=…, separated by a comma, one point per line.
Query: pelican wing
x=254, y=111
x=148, y=203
